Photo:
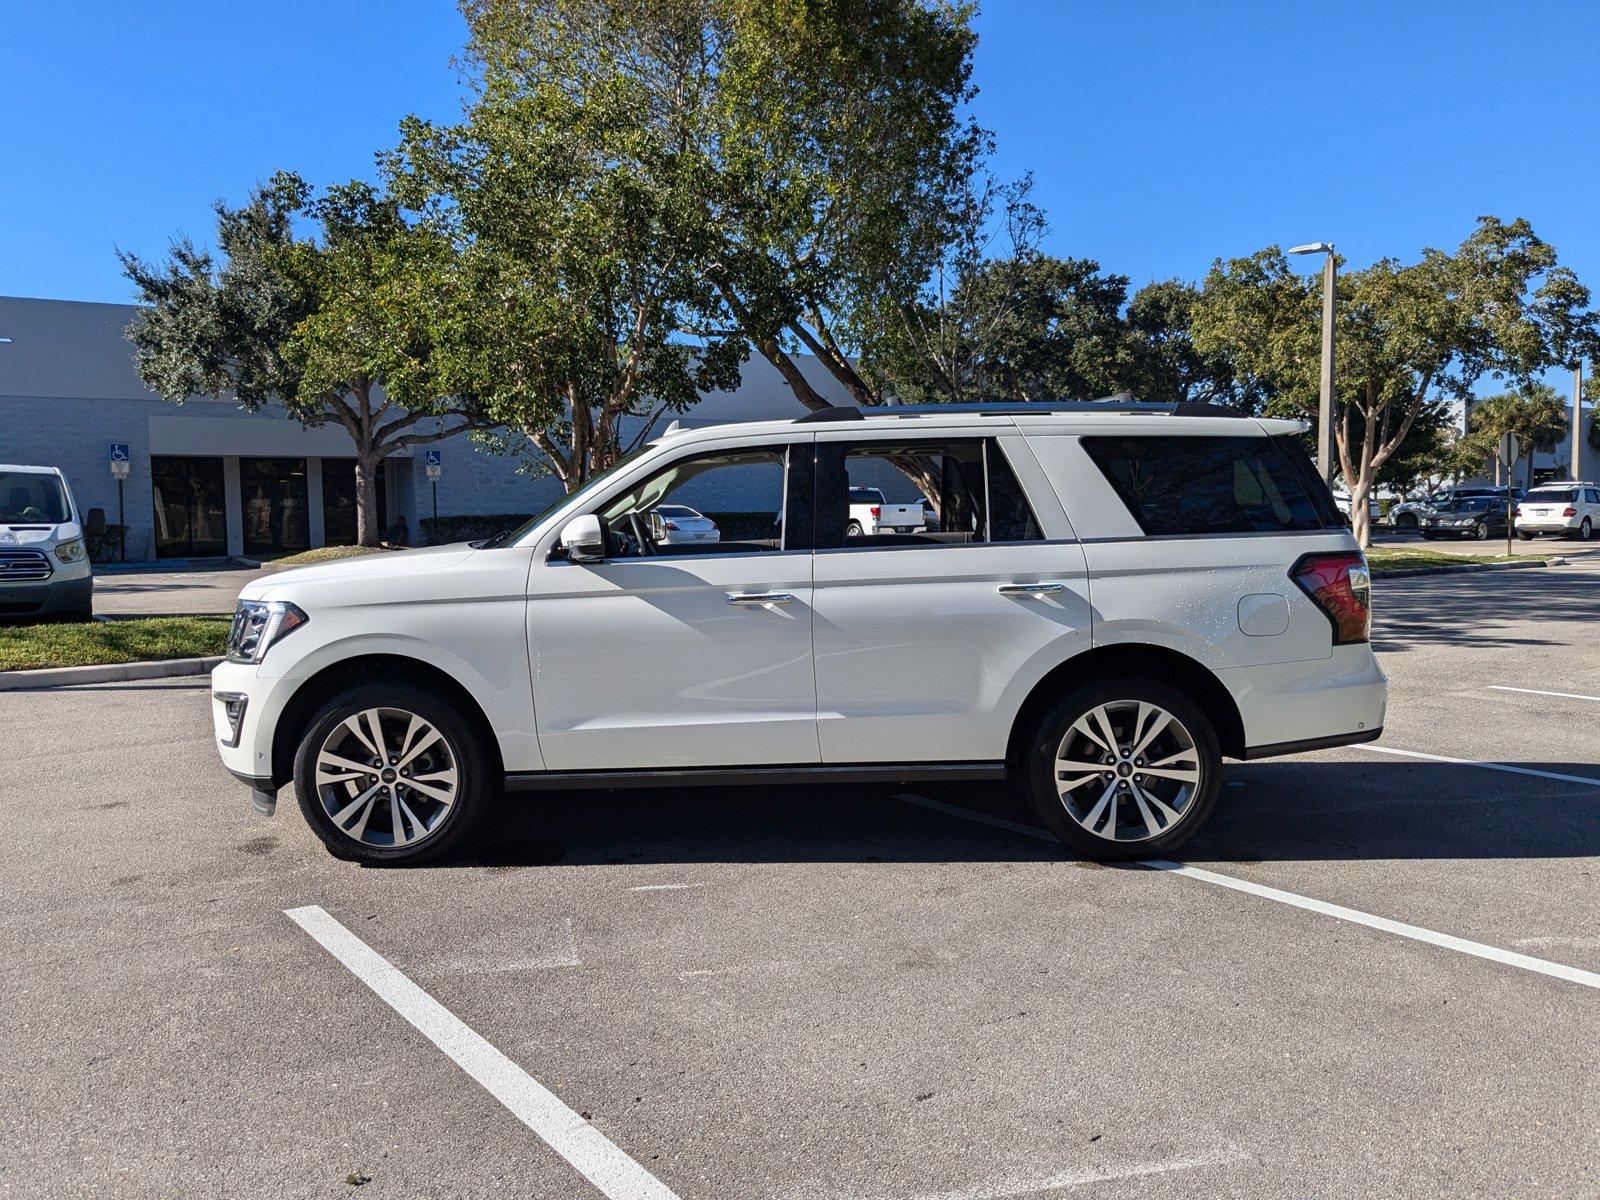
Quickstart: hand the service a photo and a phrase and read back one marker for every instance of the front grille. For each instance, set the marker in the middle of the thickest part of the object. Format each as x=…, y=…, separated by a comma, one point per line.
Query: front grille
x=17, y=566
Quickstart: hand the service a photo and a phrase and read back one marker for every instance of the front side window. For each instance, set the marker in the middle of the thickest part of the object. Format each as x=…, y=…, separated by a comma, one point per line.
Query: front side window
x=726, y=502
x=919, y=493
x=28, y=497
x=1208, y=485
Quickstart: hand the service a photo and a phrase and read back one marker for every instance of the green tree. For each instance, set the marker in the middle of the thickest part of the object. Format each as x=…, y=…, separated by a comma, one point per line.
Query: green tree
x=1512, y=425
x=1408, y=335
x=567, y=189
x=345, y=326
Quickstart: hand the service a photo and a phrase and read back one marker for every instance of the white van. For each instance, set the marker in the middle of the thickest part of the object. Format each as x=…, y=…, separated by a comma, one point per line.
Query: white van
x=44, y=563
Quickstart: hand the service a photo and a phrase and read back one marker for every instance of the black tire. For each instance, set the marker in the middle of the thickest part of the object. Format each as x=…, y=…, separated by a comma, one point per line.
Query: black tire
x=1586, y=530
x=1481, y=531
x=1406, y=521
x=1038, y=769
x=853, y=529
x=1525, y=535
x=1427, y=536
x=473, y=759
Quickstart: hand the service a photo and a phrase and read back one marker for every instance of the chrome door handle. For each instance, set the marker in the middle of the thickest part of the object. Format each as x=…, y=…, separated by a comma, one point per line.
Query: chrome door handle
x=759, y=598
x=1031, y=589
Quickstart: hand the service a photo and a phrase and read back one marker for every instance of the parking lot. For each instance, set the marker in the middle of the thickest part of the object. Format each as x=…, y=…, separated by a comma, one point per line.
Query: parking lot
x=1379, y=972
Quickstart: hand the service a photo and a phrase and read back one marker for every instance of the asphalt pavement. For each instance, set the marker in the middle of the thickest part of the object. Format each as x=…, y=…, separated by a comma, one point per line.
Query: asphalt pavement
x=1380, y=975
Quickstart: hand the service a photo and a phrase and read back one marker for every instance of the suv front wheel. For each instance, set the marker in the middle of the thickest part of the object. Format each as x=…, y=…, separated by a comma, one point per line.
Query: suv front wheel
x=387, y=773
x=1123, y=769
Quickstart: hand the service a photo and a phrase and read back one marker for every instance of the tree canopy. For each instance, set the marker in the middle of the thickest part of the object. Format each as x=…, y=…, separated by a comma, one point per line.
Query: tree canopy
x=347, y=325
x=1408, y=335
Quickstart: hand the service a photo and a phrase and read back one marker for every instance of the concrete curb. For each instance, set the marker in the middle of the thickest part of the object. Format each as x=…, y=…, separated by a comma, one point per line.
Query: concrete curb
x=1464, y=568
x=54, y=677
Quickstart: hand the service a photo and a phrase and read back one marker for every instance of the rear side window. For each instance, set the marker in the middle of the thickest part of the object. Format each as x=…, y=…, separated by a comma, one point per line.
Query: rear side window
x=1211, y=485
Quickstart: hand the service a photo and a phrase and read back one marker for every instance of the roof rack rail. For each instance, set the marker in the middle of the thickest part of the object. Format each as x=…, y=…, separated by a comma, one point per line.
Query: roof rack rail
x=836, y=412
x=1112, y=404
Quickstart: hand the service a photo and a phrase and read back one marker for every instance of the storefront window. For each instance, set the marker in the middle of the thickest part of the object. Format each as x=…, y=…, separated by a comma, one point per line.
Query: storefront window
x=274, y=498
x=339, y=501
x=191, y=511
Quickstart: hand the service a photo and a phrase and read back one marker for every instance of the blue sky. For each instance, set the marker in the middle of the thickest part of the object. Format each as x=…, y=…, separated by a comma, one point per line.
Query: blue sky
x=1161, y=135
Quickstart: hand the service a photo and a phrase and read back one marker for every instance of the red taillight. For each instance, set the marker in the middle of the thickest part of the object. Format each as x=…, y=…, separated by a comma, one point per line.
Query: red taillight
x=1516, y=511
x=1569, y=512
x=876, y=511
x=1342, y=589
x=671, y=526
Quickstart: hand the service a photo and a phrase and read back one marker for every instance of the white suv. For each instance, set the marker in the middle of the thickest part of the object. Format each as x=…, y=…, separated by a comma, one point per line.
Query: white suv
x=1571, y=508
x=1113, y=599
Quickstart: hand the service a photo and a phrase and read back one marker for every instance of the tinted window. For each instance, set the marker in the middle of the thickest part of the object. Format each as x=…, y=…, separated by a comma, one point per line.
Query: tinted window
x=1552, y=496
x=1209, y=485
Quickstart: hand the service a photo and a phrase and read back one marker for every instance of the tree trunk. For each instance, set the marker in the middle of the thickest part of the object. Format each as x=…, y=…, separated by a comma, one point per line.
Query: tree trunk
x=1360, y=518
x=369, y=530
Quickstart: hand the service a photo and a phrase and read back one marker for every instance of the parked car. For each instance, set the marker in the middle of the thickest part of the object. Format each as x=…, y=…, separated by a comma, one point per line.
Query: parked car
x=44, y=564
x=678, y=524
x=1570, y=508
x=1374, y=509
x=404, y=693
x=1410, y=513
x=1480, y=517
x=871, y=514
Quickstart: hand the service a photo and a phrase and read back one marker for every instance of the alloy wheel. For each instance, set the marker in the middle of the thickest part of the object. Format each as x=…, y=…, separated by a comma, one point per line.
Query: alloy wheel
x=1127, y=771
x=386, y=777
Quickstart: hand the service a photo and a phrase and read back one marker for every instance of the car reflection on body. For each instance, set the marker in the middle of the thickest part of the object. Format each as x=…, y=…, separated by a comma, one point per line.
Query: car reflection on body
x=678, y=524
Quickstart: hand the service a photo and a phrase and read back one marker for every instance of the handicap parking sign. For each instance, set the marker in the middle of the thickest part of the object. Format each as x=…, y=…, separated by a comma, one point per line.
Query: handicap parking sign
x=434, y=458
x=119, y=459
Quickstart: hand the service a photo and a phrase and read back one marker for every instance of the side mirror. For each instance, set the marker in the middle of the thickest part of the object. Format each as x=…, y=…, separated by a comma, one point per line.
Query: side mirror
x=584, y=540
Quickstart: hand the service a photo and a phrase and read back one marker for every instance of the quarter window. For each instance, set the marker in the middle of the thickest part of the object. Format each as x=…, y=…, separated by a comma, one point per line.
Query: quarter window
x=1207, y=485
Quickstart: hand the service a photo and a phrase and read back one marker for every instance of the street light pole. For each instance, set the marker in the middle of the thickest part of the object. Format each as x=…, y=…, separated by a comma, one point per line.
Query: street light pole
x=1577, y=420
x=1325, y=391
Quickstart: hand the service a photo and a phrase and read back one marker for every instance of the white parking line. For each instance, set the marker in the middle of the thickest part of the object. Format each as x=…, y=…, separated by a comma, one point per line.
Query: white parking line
x=1509, y=958
x=1499, y=687
x=1487, y=766
x=594, y=1155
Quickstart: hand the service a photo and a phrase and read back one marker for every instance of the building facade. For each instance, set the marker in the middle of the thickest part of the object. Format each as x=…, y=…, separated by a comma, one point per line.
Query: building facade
x=208, y=479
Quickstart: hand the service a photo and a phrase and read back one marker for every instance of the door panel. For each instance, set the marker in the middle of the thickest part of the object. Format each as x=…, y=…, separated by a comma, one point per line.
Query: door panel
x=644, y=662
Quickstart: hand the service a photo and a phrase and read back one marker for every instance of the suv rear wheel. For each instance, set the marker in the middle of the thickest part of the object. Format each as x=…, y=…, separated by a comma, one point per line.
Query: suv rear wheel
x=1124, y=768
x=389, y=773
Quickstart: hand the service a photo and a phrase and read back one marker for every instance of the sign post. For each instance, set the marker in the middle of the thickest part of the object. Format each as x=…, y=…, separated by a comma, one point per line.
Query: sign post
x=120, y=465
x=433, y=460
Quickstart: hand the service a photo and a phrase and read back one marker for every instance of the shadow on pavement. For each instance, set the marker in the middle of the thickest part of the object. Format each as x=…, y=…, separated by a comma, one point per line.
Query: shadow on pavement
x=1483, y=610
x=1294, y=810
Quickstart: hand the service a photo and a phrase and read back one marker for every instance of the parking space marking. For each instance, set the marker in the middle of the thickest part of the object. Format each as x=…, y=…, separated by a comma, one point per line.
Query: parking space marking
x=1355, y=916
x=590, y=1152
x=1474, y=762
x=1500, y=687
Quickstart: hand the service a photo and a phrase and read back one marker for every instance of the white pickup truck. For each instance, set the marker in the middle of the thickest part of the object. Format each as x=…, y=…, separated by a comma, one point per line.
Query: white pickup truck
x=870, y=513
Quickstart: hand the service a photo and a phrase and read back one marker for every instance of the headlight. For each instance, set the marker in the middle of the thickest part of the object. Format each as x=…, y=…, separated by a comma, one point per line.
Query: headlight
x=257, y=624
x=70, y=551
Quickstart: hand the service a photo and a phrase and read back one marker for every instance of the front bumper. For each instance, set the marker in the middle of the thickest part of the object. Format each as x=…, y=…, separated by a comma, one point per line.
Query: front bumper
x=61, y=593
x=246, y=747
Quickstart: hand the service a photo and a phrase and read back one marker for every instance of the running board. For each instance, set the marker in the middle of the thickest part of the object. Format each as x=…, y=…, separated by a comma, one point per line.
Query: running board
x=539, y=781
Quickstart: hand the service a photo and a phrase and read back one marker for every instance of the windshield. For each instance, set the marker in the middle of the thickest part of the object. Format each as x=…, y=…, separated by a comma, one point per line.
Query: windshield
x=1471, y=504
x=27, y=498
x=510, y=536
x=1553, y=496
